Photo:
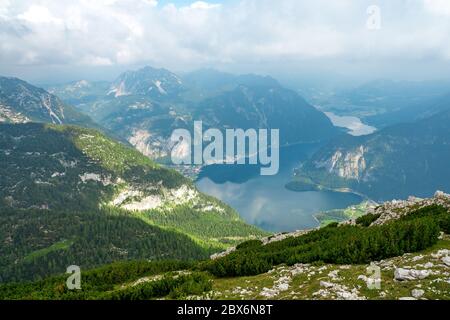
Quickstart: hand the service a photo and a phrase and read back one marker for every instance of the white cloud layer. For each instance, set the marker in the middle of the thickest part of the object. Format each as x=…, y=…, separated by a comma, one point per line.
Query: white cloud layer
x=126, y=32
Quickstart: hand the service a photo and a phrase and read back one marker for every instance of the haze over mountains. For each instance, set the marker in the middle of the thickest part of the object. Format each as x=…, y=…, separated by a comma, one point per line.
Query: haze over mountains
x=143, y=107
x=395, y=162
x=95, y=180
x=146, y=105
x=385, y=102
x=128, y=207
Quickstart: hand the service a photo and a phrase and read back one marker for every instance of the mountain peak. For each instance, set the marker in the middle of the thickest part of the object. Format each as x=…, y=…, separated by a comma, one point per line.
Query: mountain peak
x=147, y=81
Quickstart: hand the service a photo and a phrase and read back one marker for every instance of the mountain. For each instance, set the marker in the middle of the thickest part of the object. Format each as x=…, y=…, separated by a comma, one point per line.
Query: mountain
x=397, y=161
x=80, y=93
x=206, y=83
x=406, y=242
x=73, y=195
x=148, y=81
x=266, y=105
x=385, y=102
x=415, y=111
x=145, y=106
x=21, y=102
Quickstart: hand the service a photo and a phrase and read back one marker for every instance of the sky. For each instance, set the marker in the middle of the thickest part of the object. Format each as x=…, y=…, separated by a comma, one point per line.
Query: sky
x=55, y=41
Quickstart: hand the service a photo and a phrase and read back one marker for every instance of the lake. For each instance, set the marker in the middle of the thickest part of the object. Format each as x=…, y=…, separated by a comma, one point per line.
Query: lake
x=354, y=125
x=264, y=201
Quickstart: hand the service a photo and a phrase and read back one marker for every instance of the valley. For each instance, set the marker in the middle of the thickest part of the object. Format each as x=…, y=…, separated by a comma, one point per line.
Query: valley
x=264, y=201
x=103, y=193
x=409, y=245
x=74, y=186
x=249, y=150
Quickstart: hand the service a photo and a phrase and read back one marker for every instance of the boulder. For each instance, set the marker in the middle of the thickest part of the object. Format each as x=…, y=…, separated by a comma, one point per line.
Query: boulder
x=446, y=260
x=401, y=274
x=417, y=293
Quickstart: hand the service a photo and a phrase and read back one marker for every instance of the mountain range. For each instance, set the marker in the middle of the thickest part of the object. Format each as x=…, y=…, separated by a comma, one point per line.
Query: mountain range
x=402, y=159
x=144, y=107
x=383, y=102
x=22, y=102
x=73, y=195
x=61, y=166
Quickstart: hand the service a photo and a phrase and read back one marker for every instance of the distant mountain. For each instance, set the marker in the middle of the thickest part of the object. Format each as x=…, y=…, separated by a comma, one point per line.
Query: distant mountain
x=148, y=81
x=66, y=190
x=80, y=93
x=415, y=111
x=206, y=83
x=393, y=163
x=267, y=105
x=386, y=102
x=146, y=105
x=22, y=102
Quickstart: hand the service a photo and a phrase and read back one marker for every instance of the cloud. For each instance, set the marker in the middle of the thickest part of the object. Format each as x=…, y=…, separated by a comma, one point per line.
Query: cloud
x=38, y=14
x=204, y=5
x=438, y=7
x=240, y=32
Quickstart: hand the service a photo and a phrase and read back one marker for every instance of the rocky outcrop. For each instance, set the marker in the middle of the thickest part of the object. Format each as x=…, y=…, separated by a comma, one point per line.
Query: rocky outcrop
x=266, y=240
x=397, y=208
x=348, y=165
x=401, y=274
x=152, y=146
x=137, y=200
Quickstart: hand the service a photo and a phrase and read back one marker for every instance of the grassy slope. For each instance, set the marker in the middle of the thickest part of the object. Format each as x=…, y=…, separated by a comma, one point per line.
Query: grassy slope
x=303, y=281
x=307, y=283
x=38, y=154
x=316, y=280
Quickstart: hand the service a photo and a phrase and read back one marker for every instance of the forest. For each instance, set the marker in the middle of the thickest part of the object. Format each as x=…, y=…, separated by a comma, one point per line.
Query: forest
x=102, y=283
x=87, y=239
x=361, y=243
x=338, y=244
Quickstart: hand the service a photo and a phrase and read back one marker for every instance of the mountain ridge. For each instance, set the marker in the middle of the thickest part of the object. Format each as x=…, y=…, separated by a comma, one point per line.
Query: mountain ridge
x=379, y=165
x=65, y=187
x=146, y=120
x=25, y=103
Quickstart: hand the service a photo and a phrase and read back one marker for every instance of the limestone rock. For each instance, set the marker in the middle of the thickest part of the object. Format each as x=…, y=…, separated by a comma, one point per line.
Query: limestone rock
x=401, y=274
x=417, y=293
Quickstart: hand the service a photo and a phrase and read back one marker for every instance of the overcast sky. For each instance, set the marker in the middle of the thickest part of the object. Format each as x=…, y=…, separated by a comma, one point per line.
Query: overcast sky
x=54, y=40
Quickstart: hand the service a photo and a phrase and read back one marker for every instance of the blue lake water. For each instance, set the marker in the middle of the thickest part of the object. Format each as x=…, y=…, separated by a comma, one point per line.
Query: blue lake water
x=264, y=201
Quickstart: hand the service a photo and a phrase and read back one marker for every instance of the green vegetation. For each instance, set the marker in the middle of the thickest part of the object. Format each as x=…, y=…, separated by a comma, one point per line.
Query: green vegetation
x=301, y=184
x=385, y=156
x=212, y=229
x=44, y=164
x=339, y=215
x=366, y=220
x=249, y=244
x=100, y=283
x=436, y=212
x=306, y=281
x=243, y=274
x=341, y=245
x=56, y=209
x=34, y=243
x=61, y=245
x=172, y=286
